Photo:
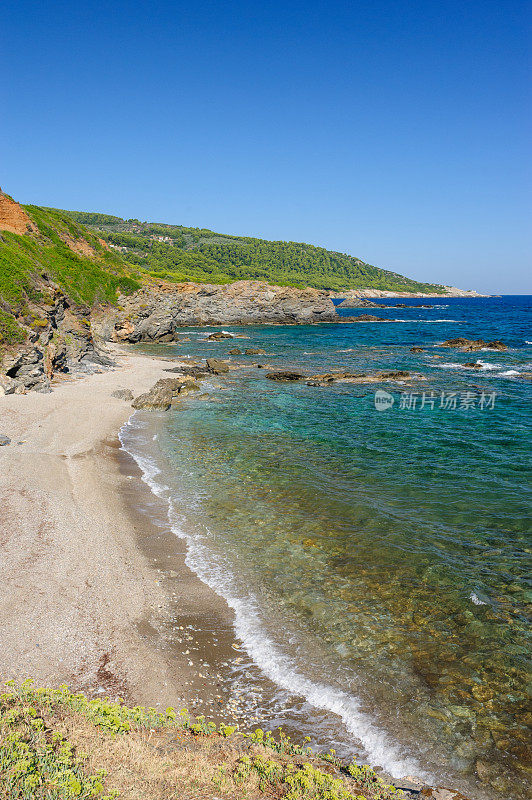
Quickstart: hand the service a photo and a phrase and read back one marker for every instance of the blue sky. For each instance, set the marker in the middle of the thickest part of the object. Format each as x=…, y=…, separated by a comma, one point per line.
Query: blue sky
x=395, y=131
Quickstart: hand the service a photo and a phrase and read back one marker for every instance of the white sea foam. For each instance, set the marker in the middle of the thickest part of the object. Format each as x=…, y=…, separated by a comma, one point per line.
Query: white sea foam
x=276, y=665
x=486, y=365
x=510, y=373
x=476, y=600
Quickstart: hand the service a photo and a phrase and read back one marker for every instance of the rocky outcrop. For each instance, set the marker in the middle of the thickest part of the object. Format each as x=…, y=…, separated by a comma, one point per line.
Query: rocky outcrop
x=396, y=375
x=59, y=340
x=355, y=301
x=13, y=218
x=254, y=351
x=447, y=291
x=217, y=367
x=368, y=318
x=157, y=313
x=470, y=345
x=162, y=394
x=284, y=375
x=218, y=336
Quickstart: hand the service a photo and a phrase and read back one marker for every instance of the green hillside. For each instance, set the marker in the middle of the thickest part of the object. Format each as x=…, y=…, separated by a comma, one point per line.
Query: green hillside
x=57, y=251
x=92, y=257
x=176, y=253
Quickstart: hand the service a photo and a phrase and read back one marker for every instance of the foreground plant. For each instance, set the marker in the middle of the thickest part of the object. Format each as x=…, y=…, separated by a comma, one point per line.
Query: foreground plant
x=59, y=745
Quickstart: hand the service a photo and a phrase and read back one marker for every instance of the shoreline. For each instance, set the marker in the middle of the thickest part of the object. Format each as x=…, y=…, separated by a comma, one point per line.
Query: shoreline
x=97, y=593
x=76, y=586
x=118, y=614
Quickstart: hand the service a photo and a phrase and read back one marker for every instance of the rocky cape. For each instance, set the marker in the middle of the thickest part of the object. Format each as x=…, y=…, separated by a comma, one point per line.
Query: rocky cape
x=447, y=291
x=156, y=313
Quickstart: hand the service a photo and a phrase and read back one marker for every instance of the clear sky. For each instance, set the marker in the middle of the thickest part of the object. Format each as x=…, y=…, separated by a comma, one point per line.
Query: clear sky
x=396, y=131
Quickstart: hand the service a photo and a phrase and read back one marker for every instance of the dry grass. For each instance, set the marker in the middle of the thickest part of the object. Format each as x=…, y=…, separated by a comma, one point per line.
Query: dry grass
x=55, y=745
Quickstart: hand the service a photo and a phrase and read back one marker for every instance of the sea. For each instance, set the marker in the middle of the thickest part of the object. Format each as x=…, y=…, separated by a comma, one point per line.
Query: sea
x=373, y=540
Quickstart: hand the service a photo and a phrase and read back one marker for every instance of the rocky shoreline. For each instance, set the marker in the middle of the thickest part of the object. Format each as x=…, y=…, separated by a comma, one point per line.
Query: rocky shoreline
x=62, y=337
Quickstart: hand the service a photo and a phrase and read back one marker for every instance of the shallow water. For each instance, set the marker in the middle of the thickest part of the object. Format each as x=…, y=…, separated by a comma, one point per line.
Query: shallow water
x=378, y=561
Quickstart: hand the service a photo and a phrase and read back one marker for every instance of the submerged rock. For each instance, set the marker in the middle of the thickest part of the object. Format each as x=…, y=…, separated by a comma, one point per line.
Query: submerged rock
x=284, y=375
x=368, y=318
x=328, y=378
x=470, y=345
x=252, y=351
x=236, y=351
x=217, y=337
x=396, y=374
x=217, y=367
x=417, y=349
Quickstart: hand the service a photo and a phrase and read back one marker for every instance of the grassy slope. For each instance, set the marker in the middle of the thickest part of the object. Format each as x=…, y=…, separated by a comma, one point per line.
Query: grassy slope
x=55, y=745
x=199, y=254
x=25, y=259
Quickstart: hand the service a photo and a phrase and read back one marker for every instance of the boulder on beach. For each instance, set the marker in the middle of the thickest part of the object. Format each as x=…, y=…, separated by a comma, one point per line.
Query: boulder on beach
x=284, y=375
x=177, y=386
x=161, y=395
x=217, y=367
x=194, y=371
x=154, y=400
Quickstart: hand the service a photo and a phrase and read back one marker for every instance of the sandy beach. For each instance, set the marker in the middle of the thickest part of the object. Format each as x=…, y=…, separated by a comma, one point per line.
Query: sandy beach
x=94, y=594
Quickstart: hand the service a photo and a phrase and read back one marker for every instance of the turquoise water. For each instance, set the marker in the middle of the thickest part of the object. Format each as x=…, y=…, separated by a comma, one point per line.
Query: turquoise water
x=378, y=561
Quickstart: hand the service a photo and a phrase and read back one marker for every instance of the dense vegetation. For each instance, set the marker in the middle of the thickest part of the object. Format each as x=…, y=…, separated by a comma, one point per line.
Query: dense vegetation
x=176, y=253
x=63, y=252
x=55, y=745
x=92, y=257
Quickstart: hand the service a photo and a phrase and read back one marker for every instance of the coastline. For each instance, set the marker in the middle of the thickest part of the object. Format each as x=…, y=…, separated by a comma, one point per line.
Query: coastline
x=96, y=593
x=123, y=614
x=79, y=595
